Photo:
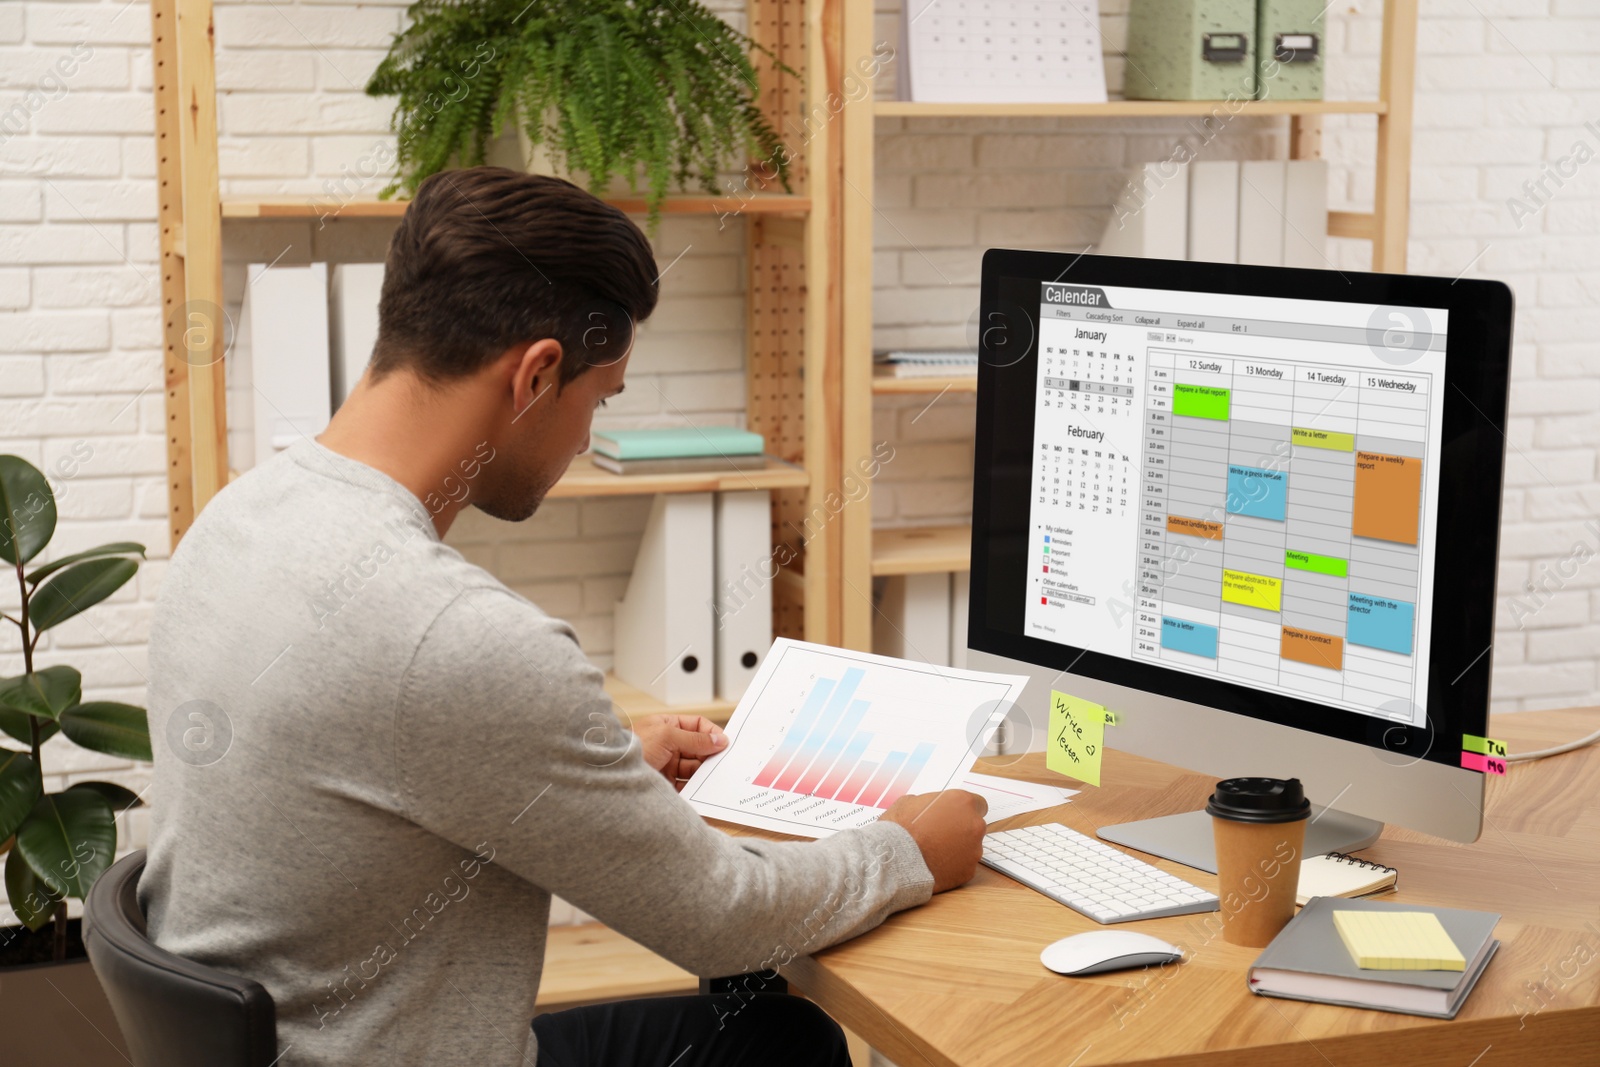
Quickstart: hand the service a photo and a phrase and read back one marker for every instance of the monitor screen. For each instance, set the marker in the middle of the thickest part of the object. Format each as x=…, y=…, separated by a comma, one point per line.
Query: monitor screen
x=1237, y=486
x=1265, y=491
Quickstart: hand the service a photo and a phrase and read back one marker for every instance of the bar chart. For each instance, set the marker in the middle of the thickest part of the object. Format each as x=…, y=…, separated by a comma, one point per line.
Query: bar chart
x=825, y=739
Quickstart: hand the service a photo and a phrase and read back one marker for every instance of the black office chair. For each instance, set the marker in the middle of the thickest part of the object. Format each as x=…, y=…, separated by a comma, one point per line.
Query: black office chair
x=173, y=1012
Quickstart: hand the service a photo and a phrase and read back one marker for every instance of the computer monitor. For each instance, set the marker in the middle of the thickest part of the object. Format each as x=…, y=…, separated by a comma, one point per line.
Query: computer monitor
x=1253, y=510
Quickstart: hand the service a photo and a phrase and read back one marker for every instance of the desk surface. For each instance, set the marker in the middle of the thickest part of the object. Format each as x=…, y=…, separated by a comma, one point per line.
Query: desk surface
x=958, y=981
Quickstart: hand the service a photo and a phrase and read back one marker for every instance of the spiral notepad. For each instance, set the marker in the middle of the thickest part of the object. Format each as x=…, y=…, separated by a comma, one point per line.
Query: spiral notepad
x=1339, y=875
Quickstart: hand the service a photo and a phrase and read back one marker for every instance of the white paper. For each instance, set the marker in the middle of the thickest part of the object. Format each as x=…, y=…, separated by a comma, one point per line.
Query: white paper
x=1008, y=797
x=824, y=739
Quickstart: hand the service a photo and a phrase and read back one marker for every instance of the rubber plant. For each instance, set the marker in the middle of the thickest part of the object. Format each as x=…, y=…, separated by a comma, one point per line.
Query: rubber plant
x=58, y=843
x=662, y=88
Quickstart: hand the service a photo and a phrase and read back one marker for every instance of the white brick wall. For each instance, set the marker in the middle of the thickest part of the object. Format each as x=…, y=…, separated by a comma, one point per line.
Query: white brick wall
x=1504, y=87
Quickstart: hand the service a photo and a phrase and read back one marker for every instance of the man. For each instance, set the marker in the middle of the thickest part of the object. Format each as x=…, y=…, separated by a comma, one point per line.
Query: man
x=379, y=762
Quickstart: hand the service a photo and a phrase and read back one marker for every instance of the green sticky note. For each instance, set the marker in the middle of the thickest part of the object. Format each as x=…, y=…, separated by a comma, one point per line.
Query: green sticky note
x=1077, y=738
x=1486, y=746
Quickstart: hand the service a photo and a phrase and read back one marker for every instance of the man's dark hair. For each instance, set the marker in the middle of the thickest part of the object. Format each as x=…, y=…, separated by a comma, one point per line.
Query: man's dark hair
x=487, y=258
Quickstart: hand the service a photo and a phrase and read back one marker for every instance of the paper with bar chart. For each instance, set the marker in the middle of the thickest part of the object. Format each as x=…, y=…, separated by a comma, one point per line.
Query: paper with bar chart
x=825, y=739
x=1251, y=494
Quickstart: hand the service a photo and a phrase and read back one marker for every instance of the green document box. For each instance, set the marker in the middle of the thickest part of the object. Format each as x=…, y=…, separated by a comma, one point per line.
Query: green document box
x=1289, y=49
x=1191, y=50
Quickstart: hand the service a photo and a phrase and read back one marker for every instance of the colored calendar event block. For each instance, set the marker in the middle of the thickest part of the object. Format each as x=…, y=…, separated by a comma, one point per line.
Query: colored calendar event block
x=1378, y=622
x=1211, y=531
x=1252, y=590
x=1388, y=495
x=1310, y=561
x=1329, y=439
x=1200, y=401
x=1308, y=646
x=1195, y=638
x=1257, y=491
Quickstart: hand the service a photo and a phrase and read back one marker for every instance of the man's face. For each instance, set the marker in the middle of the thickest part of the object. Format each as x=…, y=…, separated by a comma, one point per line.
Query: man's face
x=542, y=440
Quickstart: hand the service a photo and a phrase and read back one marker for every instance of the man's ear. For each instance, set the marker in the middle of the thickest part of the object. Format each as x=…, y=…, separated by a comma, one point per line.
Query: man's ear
x=535, y=374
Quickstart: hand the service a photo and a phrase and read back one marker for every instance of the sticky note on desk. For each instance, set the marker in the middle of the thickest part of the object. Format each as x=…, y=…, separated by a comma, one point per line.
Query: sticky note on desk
x=1398, y=941
x=1077, y=737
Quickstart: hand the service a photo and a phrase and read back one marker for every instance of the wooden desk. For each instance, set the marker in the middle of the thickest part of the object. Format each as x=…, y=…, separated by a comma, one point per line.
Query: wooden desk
x=958, y=981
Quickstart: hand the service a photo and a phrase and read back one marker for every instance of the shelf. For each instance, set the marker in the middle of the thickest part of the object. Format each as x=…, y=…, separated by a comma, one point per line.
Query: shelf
x=960, y=383
x=583, y=478
x=633, y=703
x=312, y=206
x=1123, y=109
x=922, y=549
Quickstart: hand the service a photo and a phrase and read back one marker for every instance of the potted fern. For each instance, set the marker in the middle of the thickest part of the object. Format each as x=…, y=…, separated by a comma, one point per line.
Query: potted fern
x=55, y=844
x=662, y=91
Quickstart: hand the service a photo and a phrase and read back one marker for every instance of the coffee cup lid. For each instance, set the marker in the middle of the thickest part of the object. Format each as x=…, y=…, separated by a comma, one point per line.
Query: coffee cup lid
x=1259, y=800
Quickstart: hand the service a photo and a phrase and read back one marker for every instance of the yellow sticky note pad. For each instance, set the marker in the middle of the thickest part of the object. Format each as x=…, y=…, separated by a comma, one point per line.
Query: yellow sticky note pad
x=1077, y=736
x=1398, y=941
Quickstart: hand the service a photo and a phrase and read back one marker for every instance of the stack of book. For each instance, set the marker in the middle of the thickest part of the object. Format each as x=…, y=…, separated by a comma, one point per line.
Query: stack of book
x=686, y=449
x=1406, y=958
x=927, y=363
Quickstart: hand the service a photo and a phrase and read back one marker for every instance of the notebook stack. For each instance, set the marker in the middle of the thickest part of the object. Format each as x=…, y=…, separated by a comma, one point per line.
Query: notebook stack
x=1406, y=958
x=927, y=363
x=687, y=449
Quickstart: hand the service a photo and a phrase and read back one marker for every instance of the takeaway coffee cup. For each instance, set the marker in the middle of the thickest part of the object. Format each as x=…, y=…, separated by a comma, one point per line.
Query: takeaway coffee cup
x=1260, y=829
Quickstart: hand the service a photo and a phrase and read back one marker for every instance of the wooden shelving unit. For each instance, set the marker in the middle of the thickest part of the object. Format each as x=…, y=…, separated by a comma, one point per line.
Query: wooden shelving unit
x=867, y=553
x=583, y=478
x=319, y=207
x=922, y=549
x=792, y=243
x=886, y=384
x=632, y=703
x=1130, y=109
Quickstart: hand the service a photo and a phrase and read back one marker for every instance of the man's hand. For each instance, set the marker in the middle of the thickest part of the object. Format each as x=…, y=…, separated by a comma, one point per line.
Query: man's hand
x=948, y=827
x=676, y=744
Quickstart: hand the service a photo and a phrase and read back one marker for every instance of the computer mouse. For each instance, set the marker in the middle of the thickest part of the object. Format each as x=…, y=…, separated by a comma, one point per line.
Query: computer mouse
x=1107, y=950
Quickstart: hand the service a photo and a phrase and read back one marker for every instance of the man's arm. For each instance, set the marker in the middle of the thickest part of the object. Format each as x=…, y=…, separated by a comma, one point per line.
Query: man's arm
x=504, y=737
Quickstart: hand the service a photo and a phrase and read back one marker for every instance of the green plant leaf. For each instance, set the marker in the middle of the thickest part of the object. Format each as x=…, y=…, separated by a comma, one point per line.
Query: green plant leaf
x=69, y=839
x=16, y=724
x=30, y=898
x=27, y=510
x=121, y=798
x=114, y=729
x=116, y=548
x=78, y=588
x=20, y=786
x=43, y=694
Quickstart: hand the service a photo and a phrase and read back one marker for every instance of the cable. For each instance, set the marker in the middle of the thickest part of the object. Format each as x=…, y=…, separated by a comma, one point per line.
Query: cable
x=1555, y=750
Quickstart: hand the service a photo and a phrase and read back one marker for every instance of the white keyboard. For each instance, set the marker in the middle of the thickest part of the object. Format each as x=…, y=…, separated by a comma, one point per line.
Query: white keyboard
x=1091, y=877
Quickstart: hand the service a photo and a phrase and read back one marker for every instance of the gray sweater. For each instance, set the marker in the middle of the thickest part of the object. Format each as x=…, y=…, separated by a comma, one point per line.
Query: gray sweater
x=374, y=764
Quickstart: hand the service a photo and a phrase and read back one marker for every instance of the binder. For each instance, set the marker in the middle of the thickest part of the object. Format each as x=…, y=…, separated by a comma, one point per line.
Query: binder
x=1261, y=187
x=1151, y=216
x=283, y=328
x=1305, y=214
x=960, y=594
x=664, y=645
x=744, y=574
x=913, y=619
x=1214, y=211
x=353, y=314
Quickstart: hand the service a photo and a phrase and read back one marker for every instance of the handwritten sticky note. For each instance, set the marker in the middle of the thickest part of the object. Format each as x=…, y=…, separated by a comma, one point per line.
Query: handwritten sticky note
x=1398, y=941
x=1477, y=761
x=1077, y=738
x=1484, y=746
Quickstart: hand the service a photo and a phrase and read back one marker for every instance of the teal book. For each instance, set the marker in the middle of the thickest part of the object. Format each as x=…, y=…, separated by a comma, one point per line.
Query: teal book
x=678, y=443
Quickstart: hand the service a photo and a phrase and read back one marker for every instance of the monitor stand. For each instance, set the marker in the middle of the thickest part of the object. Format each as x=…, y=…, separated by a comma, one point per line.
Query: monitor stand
x=1186, y=837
